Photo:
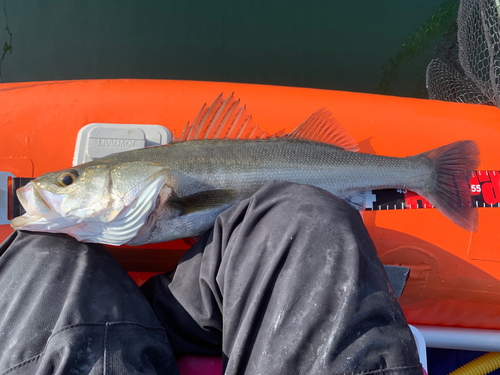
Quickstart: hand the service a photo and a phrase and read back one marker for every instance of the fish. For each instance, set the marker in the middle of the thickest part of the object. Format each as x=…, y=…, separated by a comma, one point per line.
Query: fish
x=174, y=191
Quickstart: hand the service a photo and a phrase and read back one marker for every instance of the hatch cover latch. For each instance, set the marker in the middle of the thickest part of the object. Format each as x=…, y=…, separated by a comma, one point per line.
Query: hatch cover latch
x=10, y=206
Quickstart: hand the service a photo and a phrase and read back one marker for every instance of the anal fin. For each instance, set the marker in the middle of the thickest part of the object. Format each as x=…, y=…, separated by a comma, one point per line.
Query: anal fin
x=356, y=200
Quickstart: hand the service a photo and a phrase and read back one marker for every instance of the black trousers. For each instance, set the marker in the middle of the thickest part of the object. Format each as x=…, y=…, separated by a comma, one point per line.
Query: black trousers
x=287, y=282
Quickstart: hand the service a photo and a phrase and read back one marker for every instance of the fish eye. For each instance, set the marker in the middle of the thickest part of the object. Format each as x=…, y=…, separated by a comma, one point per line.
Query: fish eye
x=67, y=178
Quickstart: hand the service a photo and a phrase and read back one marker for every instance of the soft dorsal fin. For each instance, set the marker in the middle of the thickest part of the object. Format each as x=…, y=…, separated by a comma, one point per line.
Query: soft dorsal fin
x=228, y=119
x=321, y=127
x=224, y=119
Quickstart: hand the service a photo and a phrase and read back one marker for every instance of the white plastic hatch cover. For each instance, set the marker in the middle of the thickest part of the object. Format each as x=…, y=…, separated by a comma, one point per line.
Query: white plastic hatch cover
x=97, y=140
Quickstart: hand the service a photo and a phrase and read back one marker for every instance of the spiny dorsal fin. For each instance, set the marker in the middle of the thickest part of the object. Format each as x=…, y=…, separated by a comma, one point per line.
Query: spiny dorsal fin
x=228, y=119
x=321, y=127
x=224, y=119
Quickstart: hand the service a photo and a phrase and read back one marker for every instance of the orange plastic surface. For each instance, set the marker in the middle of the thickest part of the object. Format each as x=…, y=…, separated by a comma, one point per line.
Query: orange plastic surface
x=455, y=275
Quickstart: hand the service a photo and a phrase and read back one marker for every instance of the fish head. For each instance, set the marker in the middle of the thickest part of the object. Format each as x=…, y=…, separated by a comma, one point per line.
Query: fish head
x=103, y=201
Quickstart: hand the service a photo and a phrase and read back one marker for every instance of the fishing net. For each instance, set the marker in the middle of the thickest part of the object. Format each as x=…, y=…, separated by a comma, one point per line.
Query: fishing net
x=465, y=66
x=404, y=73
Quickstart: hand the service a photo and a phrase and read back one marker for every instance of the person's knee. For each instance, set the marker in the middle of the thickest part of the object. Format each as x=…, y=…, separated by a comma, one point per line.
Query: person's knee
x=283, y=211
x=284, y=200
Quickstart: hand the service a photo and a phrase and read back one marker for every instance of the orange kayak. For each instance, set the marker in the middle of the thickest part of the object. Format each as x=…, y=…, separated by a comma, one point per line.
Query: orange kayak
x=455, y=274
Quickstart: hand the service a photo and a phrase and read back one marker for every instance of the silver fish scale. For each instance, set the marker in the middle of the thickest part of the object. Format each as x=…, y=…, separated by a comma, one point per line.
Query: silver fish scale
x=246, y=165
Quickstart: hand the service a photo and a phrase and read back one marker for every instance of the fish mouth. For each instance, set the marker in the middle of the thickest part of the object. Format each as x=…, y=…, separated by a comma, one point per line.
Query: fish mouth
x=21, y=198
x=33, y=204
x=21, y=221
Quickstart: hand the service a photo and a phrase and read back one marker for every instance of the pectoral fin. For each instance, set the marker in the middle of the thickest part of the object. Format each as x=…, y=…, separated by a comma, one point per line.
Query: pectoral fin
x=202, y=201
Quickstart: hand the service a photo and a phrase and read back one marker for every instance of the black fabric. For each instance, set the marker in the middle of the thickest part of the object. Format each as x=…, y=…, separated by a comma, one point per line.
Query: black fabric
x=398, y=276
x=287, y=282
x=69, y=308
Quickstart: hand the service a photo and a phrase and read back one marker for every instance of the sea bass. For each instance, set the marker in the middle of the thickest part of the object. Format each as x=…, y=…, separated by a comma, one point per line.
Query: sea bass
x=175, y=191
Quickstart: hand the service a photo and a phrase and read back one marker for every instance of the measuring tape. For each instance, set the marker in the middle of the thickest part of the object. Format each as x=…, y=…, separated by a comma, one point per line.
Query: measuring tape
x=484, y=188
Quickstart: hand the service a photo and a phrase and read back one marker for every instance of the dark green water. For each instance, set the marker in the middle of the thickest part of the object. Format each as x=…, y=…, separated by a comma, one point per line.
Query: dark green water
x=364, y=46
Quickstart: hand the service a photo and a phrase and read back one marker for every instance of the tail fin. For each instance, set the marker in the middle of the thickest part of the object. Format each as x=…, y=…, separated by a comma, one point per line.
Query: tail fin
x=451, y=192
